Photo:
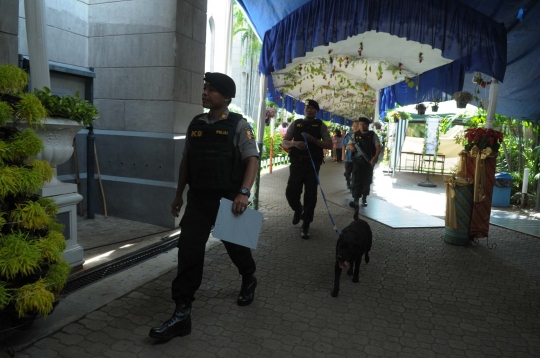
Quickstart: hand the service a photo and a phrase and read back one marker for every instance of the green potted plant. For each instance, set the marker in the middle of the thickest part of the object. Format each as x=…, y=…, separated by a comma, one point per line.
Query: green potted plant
x=32, y=270
x=462, y=98
x=421, y=108
x=66, y=116
x=435, y=104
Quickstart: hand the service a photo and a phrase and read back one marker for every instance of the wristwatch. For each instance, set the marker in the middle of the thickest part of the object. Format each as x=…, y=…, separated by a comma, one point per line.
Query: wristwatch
x=244, y=191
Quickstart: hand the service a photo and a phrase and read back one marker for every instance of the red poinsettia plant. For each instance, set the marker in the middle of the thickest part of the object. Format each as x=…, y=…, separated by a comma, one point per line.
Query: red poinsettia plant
x=483, y=138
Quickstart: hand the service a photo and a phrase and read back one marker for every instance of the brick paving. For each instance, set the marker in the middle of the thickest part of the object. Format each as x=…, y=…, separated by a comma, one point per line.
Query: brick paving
x=418, y=297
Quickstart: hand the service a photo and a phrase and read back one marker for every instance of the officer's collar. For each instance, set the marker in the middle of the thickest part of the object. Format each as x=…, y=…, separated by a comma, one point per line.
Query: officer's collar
x=224, y=115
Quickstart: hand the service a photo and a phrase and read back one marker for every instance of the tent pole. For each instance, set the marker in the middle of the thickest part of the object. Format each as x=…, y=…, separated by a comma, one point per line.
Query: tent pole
x=492, y=106
x=263, y=84
x=377, y=105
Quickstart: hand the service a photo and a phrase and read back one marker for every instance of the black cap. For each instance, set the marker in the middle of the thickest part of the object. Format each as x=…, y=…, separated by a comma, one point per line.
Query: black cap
x=364, y=119
x=312, y=103
x=223, y=83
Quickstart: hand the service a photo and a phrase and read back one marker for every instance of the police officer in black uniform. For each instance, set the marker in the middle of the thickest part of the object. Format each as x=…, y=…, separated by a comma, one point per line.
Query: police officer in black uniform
x=220, y=160
x=363, y=164
x=301, y=169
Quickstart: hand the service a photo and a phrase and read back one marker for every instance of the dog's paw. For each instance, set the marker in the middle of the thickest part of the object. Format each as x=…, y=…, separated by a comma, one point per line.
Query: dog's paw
x=355, y=280
x=334, y=293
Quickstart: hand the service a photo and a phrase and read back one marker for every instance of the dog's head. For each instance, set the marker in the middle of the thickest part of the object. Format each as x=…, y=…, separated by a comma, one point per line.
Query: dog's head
x=347, y=249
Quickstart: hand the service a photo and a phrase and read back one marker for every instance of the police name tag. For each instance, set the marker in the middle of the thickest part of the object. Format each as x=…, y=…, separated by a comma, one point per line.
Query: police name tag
x=242, y=229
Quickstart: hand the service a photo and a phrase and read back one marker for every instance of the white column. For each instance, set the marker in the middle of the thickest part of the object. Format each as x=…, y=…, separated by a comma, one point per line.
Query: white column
x=377, y=105
x=262, y=110
x=492, y=106
x=36, y=32
x=228, y=52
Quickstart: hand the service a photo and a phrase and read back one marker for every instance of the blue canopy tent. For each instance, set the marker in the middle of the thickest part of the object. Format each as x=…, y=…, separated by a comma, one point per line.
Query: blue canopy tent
x=342, y=53
x=517, y=95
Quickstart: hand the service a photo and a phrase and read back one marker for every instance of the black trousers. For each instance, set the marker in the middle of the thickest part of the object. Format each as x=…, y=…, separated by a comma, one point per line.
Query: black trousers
x=339, y=153
x=362, y=177
x=348, y=172
x=200, y=214
x=302, y=175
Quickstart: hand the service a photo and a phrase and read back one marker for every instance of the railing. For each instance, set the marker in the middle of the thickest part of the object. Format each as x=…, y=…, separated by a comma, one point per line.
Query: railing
x=281, y=160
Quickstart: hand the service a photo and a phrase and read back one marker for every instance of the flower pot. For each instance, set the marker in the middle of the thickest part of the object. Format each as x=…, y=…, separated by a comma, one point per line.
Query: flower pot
x=434, y=108
x=57, y=135
x=421, y=111
x=461, y=104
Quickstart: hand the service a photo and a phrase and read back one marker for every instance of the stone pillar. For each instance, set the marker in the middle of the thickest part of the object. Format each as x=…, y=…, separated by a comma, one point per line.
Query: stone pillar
x=9, y=29
x=36, y=32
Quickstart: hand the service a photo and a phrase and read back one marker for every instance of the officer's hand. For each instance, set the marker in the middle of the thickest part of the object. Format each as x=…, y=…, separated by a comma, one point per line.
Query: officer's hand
x=373, y=160
x=309, y=137
x=240, y=204
x=300, y=145
x=176, y=206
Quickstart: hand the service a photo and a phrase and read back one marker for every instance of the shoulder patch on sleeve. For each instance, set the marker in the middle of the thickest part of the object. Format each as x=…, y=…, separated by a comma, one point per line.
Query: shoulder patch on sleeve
x=249, y=132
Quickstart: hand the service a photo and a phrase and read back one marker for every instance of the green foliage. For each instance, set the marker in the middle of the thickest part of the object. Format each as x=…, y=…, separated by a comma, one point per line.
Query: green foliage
x=277, y=150
x=30, y=237
x=30, y=109
x=249, y=40
x=18, y=256
x=70, y=107
x=34, y=297
x=51, y=247
x=5, y=295
x=31, y=215
x=49, y=206
x=21, y=145
x=17, y=180
x=57, y=276
x=6, y=113
x=12, y=79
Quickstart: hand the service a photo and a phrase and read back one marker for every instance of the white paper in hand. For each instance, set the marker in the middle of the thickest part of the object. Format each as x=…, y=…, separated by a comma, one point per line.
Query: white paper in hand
x=242, y=229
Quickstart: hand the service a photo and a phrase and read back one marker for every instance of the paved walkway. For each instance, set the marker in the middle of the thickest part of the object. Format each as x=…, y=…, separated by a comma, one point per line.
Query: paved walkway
x=418, y=297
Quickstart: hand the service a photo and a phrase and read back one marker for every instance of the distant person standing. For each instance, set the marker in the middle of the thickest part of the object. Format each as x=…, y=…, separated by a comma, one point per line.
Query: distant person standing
x=302, y=174
x=337, y=139
x=348, y=155
x=363, y=161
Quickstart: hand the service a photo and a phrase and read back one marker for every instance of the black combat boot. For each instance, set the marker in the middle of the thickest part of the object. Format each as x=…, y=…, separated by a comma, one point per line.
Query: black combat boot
x=304, y=233
x=178, y=325
x=247, y=291
x=297, y=216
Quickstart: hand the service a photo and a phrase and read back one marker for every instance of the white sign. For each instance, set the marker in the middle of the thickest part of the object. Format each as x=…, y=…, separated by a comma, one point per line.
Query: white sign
x=431, y=138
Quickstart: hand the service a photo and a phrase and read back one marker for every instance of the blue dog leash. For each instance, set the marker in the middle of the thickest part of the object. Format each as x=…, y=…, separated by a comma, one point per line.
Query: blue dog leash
x=338, y=233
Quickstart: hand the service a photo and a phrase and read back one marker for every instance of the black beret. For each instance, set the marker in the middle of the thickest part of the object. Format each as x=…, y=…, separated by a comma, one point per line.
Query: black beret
x=312, y=103
x=223, y=83
x=364, y=119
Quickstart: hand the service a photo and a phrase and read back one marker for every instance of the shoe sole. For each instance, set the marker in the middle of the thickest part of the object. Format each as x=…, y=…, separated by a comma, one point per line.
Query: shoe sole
x=179, y=334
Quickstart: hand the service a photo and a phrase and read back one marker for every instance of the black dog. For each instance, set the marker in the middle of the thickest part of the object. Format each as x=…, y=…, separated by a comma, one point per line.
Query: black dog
x=354, y=241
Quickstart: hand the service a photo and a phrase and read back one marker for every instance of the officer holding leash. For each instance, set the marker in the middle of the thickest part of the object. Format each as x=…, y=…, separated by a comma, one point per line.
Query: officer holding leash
x=301, y=172
x=220, y=160
x=366, y=148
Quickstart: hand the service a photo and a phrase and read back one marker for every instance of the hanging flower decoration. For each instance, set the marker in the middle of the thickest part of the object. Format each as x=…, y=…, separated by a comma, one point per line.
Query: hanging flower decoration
x=479, y=80
x=400, y=68
x=483, y=138
x=360, y=49
x=420, y=57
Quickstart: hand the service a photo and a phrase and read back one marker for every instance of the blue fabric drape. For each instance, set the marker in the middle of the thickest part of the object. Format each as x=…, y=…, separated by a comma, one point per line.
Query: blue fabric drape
x=460, y=32
x=441, y=83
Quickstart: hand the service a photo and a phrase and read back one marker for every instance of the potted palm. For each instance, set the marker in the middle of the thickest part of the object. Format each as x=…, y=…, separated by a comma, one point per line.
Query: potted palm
x=32, y=270
x=421, y=108
x=435, y=104
x=462, y=98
